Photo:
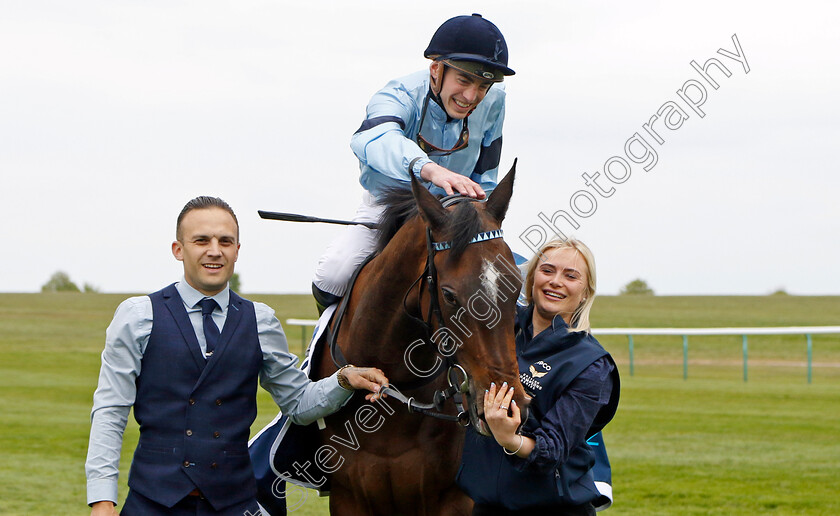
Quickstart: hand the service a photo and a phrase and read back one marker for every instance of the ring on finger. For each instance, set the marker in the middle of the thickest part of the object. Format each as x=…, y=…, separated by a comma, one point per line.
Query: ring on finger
x=503, y=407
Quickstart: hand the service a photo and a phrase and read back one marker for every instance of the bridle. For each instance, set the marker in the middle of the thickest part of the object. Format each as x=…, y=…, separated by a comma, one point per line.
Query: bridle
x=430, y=271
x=456, y=389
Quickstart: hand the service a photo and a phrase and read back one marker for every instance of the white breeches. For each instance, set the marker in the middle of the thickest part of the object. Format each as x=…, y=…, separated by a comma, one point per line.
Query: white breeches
x=346, y=252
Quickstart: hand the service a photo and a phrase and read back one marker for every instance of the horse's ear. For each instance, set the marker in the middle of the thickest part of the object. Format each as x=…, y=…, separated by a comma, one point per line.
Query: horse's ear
x=497, y=203
x=430, y=208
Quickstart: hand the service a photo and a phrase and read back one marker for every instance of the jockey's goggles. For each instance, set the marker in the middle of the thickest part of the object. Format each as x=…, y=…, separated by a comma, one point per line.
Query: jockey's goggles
x=432, y=149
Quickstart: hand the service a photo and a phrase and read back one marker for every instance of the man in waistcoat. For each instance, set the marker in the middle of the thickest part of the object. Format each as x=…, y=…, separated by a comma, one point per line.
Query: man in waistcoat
x=188, y=358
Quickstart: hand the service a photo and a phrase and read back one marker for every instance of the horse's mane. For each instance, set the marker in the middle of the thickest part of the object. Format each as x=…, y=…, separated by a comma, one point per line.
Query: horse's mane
x=462, y=225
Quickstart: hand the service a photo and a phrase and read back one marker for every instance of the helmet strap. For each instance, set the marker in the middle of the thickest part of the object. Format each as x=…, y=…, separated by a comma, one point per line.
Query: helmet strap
x=436, y=84
x=435, y=87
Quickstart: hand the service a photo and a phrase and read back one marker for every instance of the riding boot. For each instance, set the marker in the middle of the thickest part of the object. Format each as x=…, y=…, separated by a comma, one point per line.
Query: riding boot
x=323, y=299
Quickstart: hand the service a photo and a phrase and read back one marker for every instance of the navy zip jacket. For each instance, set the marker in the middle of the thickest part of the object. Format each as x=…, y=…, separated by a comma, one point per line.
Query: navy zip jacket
x=575, y=389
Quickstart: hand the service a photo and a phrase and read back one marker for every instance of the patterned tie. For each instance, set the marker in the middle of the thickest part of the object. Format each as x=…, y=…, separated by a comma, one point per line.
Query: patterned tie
x=211, y=331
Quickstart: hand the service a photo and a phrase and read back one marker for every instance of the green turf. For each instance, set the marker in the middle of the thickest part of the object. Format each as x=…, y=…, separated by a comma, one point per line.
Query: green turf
x=712, y=444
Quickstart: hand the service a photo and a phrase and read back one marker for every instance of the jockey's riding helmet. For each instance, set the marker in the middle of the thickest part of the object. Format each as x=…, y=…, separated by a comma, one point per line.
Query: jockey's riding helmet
x=473, y=45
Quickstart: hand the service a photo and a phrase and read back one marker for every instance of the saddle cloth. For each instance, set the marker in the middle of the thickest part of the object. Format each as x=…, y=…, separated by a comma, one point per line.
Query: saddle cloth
x=277, y=447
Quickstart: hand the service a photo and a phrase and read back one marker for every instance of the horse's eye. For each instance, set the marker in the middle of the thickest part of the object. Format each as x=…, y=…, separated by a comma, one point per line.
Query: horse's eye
x=450, y=297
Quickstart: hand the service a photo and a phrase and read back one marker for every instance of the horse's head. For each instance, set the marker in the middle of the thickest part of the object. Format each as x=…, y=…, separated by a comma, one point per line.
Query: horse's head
x=474, y=286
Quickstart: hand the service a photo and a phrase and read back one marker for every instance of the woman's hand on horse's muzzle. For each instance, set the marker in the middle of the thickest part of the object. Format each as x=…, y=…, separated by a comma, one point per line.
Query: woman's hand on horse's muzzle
x=501, y=413
x=366, y=378
x=503, y=416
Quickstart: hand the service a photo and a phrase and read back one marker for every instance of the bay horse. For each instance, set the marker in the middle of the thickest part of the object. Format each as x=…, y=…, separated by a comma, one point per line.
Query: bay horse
x=441, y=291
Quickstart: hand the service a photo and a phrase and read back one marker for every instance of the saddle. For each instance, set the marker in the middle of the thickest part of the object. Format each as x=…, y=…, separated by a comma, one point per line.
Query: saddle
x=278, y=447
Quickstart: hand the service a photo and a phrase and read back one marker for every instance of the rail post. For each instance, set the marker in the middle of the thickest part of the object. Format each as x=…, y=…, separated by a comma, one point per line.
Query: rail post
x=304, y=324
x=744, y=337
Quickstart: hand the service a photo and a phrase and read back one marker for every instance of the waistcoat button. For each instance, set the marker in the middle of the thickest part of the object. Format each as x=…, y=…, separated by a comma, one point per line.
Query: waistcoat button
x=189, y=432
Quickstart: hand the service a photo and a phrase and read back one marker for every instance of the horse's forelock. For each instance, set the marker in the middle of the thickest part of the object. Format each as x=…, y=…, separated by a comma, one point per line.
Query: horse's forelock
x=462, y=226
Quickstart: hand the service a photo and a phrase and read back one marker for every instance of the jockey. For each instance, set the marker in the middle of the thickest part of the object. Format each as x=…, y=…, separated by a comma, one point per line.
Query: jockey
x=444, y=125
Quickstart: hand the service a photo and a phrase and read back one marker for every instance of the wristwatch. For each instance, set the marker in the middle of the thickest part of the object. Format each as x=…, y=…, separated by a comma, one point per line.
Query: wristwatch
x=342, y=379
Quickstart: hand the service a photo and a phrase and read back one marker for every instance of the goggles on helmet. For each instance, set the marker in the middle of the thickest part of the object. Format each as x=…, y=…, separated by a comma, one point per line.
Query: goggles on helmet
x=480, y=71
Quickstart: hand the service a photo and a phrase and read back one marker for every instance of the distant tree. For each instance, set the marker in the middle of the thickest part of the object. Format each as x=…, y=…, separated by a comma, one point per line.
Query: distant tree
x=779, y=292
x=235, y=283
x=90, y=289
x=59, y=282
x=637, y=287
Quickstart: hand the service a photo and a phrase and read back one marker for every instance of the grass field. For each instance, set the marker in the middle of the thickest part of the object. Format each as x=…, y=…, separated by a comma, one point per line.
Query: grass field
x=711, y=444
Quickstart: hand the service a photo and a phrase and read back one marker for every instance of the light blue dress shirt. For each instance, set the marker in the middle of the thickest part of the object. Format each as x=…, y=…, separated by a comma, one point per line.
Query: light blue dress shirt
x=125, y=342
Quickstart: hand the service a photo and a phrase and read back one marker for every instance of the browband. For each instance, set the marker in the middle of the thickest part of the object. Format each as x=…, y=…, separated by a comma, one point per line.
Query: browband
x=481, y=237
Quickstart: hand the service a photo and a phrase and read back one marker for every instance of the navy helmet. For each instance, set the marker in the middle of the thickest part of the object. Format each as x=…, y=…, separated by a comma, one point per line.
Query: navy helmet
x=473, y=45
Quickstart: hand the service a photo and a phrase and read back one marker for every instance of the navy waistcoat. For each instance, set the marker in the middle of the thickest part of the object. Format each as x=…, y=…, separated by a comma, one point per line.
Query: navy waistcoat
x=195, y=414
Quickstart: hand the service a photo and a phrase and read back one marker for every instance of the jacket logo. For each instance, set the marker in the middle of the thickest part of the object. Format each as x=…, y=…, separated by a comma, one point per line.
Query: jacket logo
x=537, y=374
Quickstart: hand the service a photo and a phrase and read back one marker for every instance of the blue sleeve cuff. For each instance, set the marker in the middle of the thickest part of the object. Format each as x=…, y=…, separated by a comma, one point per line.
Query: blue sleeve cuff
x=101, y=490
x=540, y=457
x=338, y=395
x=417, y=165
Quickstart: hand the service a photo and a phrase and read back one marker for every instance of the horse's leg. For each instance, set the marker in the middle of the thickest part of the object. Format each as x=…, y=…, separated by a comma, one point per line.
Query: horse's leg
x=361, y=486
x=455, y=503
x=342, y=503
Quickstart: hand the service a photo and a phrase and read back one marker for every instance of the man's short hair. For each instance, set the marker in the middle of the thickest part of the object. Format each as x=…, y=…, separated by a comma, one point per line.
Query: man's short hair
x=204, y=202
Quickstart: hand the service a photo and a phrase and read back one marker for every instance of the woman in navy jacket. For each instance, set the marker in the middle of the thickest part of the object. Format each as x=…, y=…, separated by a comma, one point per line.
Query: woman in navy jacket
x=546, y=463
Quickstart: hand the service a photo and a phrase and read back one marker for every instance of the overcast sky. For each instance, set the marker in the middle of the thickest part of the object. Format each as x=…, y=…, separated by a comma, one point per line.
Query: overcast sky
x=114, y=113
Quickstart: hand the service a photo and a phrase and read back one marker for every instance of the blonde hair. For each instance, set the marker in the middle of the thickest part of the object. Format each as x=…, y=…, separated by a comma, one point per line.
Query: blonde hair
x=580, y=319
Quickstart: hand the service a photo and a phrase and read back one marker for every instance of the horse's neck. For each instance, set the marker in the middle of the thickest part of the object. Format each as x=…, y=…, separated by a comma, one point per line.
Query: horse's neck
x=390, y=276
x=379, y=329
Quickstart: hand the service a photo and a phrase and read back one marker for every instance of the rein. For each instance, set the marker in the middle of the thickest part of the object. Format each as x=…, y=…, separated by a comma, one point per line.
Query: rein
x=455, y=390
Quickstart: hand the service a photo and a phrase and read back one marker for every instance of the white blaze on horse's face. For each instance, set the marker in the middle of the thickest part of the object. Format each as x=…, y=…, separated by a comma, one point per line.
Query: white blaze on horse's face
x=490, y=280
